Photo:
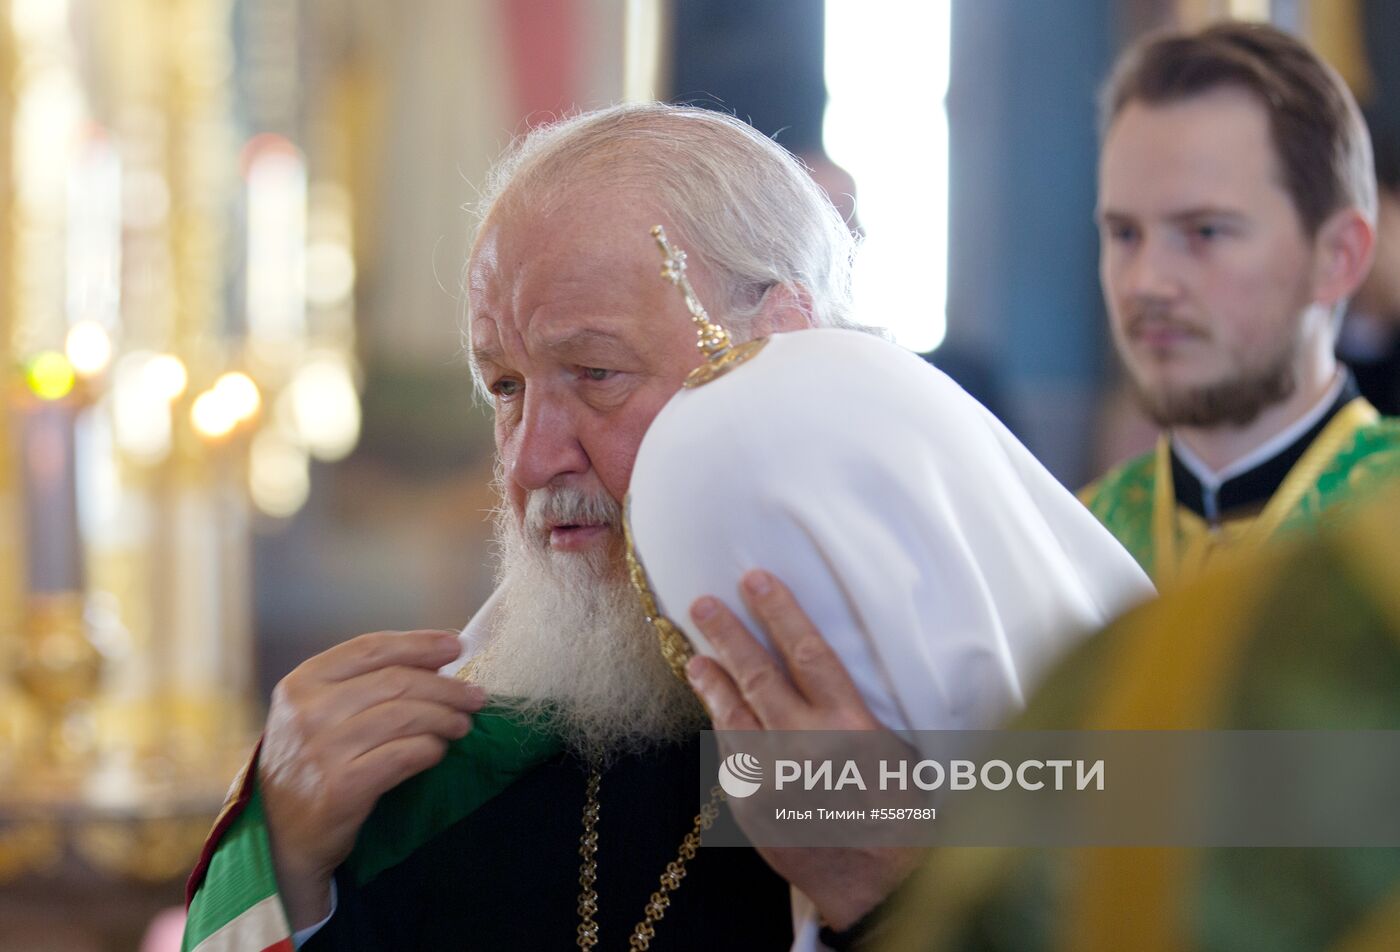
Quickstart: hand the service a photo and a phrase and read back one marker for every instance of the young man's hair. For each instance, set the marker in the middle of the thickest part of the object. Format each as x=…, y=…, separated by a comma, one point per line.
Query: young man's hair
x=1320, y=139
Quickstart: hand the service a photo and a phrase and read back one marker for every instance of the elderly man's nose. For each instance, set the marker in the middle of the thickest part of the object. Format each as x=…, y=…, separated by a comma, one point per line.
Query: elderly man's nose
x=544, y=446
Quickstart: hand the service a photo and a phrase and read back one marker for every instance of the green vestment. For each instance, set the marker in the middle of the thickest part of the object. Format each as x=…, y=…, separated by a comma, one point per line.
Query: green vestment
x=1357, y=451
x=1300, y=635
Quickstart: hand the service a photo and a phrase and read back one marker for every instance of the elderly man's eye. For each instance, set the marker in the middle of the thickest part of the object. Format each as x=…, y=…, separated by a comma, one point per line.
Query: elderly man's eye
x=598, y=373
x=505, y=388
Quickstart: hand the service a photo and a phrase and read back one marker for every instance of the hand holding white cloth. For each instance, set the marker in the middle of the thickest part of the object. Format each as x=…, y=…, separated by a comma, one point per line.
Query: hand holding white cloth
x=945, y=566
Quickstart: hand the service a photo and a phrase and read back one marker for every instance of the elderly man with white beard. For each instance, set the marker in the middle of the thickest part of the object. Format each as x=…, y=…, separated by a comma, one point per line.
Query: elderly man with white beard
x=550, y=795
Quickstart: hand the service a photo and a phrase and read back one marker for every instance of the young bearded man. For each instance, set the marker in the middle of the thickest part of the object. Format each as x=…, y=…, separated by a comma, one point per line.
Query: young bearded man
x=1237, y=209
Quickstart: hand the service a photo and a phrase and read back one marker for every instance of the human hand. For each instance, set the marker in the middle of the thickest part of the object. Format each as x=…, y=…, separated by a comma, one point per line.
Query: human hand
x=344, y=728
x=745, y=689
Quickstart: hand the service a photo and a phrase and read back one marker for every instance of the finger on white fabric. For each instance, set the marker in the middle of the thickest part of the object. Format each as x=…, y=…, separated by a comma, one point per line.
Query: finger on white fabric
x=721, y=696
x=400, y=681
x=753, y=671
x=333, y=703
x=814, y=667
x=314, y=705
x=385, y=649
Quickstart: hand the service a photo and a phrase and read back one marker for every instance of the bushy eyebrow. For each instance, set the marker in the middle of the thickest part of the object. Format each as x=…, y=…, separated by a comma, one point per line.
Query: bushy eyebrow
x=1208, y=211
x=563, y=347
x=481, y=357
x=1184, y=215
x=587, y=339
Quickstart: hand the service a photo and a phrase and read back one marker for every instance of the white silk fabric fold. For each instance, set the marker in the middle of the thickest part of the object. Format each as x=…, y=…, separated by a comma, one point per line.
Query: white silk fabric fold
x=942, y=562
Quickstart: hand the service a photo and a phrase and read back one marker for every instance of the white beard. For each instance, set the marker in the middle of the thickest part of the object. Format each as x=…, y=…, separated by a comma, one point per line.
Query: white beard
x=571, y=646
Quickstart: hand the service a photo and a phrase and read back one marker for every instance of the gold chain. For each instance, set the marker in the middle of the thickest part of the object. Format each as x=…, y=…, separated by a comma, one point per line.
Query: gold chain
x=644, y=931
x=588, y=868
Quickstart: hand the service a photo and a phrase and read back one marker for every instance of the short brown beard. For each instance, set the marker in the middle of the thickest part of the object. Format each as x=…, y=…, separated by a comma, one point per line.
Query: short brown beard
x=1236, y=402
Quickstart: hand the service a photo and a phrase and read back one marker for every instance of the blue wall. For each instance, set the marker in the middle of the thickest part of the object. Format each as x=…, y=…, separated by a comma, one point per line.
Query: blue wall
x=1023, y=285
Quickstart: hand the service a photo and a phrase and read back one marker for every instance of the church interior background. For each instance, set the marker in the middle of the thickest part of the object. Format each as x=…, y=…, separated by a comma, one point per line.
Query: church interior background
x=237, y=424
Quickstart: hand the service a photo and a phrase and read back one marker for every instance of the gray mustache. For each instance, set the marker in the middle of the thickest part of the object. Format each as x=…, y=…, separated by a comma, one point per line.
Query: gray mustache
x=547, y=507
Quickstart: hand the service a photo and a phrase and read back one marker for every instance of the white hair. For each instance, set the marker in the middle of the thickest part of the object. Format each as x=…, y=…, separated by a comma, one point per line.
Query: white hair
x=740, y=203
x=572, y=652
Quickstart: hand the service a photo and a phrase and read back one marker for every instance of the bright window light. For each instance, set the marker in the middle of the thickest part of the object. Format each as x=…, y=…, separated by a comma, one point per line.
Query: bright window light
x=887, y=124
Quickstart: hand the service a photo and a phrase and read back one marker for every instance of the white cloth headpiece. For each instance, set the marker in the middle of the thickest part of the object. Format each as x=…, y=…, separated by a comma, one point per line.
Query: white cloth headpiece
x=946, y=567
x=942, y=562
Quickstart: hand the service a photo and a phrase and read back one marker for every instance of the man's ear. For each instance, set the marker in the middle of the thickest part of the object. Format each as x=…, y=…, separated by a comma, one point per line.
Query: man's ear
x=1344, y=250
x=785, y=307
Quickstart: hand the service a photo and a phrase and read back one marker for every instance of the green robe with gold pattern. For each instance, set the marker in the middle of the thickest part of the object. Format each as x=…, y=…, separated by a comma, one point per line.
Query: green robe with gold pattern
x=1354, y=451
x=1300, y=635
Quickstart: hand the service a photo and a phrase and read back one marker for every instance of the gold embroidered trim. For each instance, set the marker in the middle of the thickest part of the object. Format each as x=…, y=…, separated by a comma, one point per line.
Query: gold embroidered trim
x=1168, y=565
x=717, y=367
x=675, y=646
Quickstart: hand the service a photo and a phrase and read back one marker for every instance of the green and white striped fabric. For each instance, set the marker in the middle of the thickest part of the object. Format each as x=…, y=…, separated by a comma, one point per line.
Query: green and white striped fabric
x=237, y=907
x=234, y=906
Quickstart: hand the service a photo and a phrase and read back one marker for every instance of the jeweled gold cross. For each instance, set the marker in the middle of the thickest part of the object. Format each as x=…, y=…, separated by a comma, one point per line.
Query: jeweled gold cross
x=714, y=341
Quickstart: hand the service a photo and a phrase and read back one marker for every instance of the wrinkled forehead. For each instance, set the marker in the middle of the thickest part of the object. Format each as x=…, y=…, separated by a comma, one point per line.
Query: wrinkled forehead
x=577, y=231
x=542, y=270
